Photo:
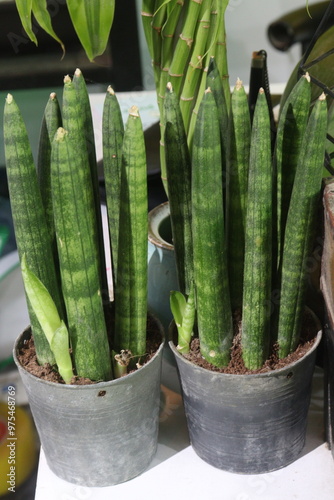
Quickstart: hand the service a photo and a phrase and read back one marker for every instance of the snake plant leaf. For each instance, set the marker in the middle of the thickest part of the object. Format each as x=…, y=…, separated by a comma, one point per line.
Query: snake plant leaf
x=24, y=8
x=41, y=301
x=92, y=22
x=177, y=305
x=42, y=15
x=59, y=346
x=184, y=316
x=53, y=327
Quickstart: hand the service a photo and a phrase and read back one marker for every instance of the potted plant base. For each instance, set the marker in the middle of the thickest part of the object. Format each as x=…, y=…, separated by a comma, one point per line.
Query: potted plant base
x=248, y=423
x=99, y=434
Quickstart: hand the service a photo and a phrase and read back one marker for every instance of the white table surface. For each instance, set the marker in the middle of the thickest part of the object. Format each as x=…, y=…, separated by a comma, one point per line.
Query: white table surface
x=178, y=473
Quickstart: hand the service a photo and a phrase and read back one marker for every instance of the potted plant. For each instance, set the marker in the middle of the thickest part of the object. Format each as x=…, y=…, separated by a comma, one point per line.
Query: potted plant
x=245, y=295
x=181, y=38
x=93, y=373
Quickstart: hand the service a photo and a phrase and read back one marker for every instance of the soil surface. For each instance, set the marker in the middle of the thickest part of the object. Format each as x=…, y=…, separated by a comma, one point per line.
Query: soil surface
x=27, y=358
x=236, y=365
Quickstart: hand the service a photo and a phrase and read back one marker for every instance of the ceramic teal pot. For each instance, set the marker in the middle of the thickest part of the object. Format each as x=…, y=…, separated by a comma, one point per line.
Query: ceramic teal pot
x=162, y=274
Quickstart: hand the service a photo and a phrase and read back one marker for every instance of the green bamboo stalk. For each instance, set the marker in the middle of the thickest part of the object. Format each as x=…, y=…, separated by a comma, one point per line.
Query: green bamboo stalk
x=168, y=33
x=131, y=286
x=195, y=66
x=217, y=23
x=158, y=21
x=147, y=12
x=112, y=139
x=220, y=49
x=184, y=45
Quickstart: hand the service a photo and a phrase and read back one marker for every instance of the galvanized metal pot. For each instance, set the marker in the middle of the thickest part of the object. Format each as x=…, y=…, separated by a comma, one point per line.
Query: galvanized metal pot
x=248, y=424
x=100, y=434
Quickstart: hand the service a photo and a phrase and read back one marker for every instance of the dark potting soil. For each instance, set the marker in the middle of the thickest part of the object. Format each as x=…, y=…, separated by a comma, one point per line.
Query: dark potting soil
x=236, y=365
x=27, y=358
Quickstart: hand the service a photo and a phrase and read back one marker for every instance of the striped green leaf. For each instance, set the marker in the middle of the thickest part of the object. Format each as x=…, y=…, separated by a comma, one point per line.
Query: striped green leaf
x=131, y=285
x=92, y=22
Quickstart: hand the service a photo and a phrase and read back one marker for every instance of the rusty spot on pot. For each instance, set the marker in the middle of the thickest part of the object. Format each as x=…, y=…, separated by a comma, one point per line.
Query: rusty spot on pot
x=101, y=393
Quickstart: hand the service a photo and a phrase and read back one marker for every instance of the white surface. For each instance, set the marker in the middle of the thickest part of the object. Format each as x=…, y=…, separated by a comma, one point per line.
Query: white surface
x=145, y=100
x=178, y=473
x=246, y=29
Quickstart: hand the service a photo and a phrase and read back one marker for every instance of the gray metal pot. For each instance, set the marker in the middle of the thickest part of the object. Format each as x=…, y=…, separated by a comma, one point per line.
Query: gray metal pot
x=248, y=424
x=101, y=434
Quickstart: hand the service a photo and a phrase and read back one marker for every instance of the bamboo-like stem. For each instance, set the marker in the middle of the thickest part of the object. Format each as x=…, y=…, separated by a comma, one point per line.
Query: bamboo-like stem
x=184, y=45
x=158, y=20
x=209, y=53
x=147, y=16
x=220, y=51
x=168, y=34
x=195, y=67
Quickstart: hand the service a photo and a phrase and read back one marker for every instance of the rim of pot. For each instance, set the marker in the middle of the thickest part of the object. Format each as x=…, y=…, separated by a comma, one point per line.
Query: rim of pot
x=155, y=218
x=104, y=383
x=269, y=373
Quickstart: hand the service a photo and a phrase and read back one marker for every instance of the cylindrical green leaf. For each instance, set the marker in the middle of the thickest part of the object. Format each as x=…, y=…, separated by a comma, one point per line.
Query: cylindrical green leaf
x=79, y=262
x=31, y=232
x=209, y=246
x=112, y=138
x=239, y=134
x=131, y=285
x=300, y=228
x=258, y=242
x=178, y=165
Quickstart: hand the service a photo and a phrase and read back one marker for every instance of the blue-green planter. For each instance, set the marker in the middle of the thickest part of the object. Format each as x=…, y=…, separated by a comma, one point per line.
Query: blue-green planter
x=162, y=275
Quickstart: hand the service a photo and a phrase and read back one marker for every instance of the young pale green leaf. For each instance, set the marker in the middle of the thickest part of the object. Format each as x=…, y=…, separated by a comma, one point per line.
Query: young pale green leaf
x=92, y=22
x=60, y=348
x=177, y=305
x=42, y=15
x=24, y=8
x=184, y=315
x=54, y=328
x=41, y=301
